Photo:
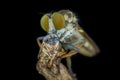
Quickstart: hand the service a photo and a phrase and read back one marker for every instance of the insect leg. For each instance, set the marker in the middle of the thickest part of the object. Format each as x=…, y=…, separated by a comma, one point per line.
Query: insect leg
x=68, y=60
x=69, y=65
x=57, y=64
x=71, y=53
x=51, y=61
x=39, y=44
x=38, y=41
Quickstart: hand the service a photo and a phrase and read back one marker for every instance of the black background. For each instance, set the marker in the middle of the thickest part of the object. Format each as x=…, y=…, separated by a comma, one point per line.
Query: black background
x=91, y=18
x=95, y=19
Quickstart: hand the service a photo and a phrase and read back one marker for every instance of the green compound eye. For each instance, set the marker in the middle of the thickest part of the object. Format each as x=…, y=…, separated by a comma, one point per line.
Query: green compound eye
x=58, y=20
x=44, y=23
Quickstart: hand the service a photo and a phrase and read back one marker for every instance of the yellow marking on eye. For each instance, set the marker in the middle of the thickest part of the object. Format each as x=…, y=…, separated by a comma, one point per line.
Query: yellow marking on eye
x=44, y=23
x=58, y=20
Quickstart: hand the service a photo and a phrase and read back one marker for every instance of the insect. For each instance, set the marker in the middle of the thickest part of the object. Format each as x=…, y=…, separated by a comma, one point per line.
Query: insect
x=51, y=50
x=70, y=33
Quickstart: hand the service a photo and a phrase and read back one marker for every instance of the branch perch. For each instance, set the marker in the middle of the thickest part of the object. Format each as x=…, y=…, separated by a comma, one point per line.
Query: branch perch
x=63, y=73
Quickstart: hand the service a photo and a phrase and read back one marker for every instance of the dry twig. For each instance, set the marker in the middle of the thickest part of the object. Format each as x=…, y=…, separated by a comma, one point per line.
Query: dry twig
x=60, y=73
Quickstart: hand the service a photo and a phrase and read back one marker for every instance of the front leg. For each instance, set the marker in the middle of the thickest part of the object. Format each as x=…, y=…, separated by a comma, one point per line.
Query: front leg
x=71, y=53
x=54, y=64
x=68, y=61
x=38, y=41
x=51, y=61
x=69, y=65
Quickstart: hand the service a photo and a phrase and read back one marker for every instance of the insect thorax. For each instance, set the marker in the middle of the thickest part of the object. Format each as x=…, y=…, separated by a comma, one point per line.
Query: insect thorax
x=51, y=44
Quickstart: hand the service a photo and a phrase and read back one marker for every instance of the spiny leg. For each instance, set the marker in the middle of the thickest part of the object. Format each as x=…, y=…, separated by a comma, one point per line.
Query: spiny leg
x=51, y=61
x=69, y=65
x=71, y=53
x=53, y=64
x=68, y=61
x=56, y=65
x=68, y=58
x=38, y=41
x=39, y=44
x=68, y=46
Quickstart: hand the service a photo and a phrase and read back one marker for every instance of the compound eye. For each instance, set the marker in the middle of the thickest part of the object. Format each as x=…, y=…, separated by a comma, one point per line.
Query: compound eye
x=44, y=23
x=58, y=20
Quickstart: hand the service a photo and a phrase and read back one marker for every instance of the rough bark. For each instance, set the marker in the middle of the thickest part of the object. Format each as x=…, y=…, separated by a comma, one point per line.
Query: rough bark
x=55, y=73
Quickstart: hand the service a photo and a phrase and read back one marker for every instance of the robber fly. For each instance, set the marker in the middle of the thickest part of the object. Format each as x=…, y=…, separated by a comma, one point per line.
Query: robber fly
x=51, y=50
x=71, y=36
x=70, y=33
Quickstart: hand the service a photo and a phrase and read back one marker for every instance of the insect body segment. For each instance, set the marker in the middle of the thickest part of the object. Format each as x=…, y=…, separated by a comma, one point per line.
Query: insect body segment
x=51, y=52
x=50, y=49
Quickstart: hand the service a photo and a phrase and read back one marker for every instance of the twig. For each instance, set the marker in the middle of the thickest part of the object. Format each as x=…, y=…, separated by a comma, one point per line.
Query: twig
x=60, y=73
